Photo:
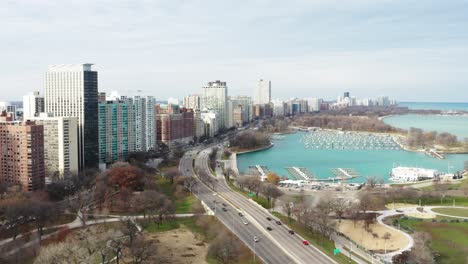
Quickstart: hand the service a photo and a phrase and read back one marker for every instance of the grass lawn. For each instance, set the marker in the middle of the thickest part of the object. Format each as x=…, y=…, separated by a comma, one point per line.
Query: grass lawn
x=152, y=227
x=449, y=239
x=260, y=200
x=459, y=201
x=183, y=205
x=452, y=211
x=323, y=244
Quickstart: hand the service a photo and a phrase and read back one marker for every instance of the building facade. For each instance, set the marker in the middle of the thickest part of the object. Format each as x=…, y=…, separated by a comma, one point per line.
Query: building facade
x=210, y=122
x=262, y=92
x=192, y=102
x=116, y=130
x=214, y=97
x=174, y=125
x=22, y=155
x=145, y=123
x=60, y=144
x=71, y=90
x=33, y=104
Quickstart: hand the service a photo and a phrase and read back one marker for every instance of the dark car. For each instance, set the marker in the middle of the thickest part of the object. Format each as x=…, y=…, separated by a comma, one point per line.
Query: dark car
x=291, y=232
x=269, y=228
x=224, y=209
x=268, y=218
x=224, y=204
x=240, y=214
x=278, y=223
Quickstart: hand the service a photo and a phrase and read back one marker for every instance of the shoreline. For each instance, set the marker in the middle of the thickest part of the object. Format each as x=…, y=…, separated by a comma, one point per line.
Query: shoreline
x=254, y=150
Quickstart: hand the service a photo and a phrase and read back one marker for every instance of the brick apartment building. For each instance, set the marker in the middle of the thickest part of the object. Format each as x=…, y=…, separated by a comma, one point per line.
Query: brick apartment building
x=22, y=154
x=174, y=125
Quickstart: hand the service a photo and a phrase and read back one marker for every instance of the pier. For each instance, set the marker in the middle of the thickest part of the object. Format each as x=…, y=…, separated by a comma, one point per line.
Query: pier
x=434, y=154
x=300, y=173
x=259, y=170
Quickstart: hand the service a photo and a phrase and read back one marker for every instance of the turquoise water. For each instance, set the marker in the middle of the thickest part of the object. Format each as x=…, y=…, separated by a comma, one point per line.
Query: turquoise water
x=457, y=125
x=290, y=152
x=435, y=106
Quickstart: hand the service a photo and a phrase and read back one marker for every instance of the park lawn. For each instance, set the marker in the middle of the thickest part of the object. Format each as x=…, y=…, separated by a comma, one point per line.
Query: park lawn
x=152, y=227
x=449, y=239
x=259, y=199
x=183, y=205
x=449, y=201
x=452, y=211
x=323, y=244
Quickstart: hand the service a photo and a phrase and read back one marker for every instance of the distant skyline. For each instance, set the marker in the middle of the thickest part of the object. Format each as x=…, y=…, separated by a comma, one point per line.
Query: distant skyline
x=407, y=50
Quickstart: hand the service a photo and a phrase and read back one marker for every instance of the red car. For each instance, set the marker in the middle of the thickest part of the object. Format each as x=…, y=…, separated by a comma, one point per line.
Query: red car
x=305, y=242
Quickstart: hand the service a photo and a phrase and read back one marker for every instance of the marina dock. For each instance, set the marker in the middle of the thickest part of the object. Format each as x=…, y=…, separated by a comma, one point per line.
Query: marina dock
x=434, y=154
x=259, y=170
x=300, y=173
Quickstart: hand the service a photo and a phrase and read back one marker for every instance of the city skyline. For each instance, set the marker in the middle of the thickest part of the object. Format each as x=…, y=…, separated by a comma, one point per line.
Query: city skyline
x=371, y=48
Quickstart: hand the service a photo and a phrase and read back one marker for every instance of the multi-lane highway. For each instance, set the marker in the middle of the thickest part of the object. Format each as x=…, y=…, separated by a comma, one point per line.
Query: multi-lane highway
x=275, y=246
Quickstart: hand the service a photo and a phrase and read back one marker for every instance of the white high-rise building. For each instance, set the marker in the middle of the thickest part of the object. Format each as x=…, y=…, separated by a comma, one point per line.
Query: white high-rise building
x=262, y=92
x=71, y=90
x=9, y=108
x=314, y=104
x=279, y=108
x=33, y=104
x=214, y=97
x=210, y=120
x=192, y=102
x=60, y=144
x=145, y=123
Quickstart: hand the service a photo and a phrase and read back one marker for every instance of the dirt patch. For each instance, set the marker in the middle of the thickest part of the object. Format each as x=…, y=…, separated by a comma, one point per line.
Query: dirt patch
x=421, y=215
x=180, y=246
x=373, y=240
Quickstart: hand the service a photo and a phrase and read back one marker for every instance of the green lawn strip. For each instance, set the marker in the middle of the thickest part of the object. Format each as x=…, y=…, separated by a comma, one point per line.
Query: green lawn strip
x=259, y=199
x=182, y=204
x=449, y=239
x=323, y=244
x=452, y=211
x=357, y=255
x=459, y=201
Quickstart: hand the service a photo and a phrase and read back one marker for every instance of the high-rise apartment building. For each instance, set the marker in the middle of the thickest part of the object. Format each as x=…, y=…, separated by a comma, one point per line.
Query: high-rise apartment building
x=60, y=144
x=192, y=102
x=174, y=125
x=22, y=155
x=210, y=120
x=33, y=104
x=314, y=104
x=116, y=130
x=262, y=92
x=71, y=90
x=214, y=97
x=145, y=123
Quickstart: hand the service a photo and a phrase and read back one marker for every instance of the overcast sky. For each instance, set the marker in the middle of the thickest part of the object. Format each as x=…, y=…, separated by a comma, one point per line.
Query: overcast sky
x=412, y=50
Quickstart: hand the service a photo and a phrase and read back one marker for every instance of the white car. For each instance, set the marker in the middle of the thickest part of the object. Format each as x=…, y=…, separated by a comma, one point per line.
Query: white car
x=245, y=222
x=256, y=239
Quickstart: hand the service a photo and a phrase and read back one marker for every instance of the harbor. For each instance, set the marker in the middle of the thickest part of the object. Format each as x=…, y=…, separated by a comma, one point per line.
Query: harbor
x=290, y=151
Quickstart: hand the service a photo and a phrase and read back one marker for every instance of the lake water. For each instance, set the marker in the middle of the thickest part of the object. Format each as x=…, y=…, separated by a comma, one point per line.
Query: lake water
x=435, y=106
x=290, y=151
x=457, y=125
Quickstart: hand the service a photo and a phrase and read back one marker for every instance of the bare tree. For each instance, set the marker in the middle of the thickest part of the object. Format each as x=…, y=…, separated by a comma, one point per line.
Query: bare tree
x=224, y=249
x=339, y=207
x=371, y=181
x=142, y=250
x=271, y=192
x=420, y=253
x=171, y=174
x=287, y=204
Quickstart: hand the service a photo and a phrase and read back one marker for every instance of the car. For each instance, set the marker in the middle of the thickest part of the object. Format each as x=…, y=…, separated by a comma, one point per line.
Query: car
x=241, y=214
x=268, y=218
x=215, y=194
x=256, y=239
x=305, y=242
x=291, y=232
x=224, y=209
x=245, y=222
x=224, y=204
x=278, y=223
x=399, y=211
x=269, y=228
